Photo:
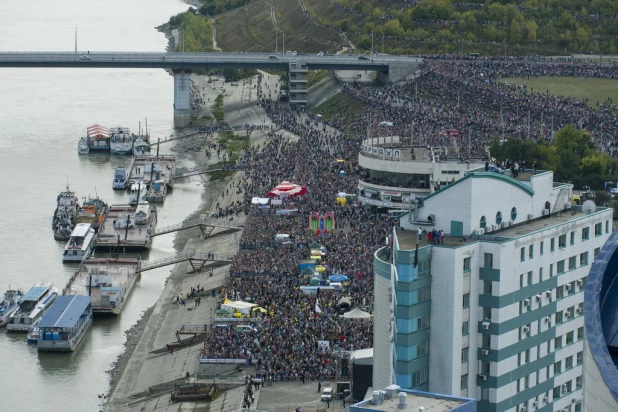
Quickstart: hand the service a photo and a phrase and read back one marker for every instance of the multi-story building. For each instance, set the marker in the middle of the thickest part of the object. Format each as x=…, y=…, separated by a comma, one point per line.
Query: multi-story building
x=395, y=174
x=493, y=311
x=601, y=331
x=393, y=399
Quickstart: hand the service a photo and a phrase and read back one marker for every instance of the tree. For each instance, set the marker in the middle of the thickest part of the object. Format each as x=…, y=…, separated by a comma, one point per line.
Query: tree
x=597, y=163
x=515, y=32
x=571, y=145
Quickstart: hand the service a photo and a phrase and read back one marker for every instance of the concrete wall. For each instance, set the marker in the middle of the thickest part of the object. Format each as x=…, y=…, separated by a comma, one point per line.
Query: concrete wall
x=182, y=99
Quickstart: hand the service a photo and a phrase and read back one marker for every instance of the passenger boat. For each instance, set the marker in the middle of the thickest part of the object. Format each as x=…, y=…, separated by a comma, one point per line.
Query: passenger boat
x=121, y=141
x=81, y=243
x=65, y=324
x=93, y=211
x=141, y=147
x=34, y=333
x=138, y=190
x=63, y=221
x=121, y=178
x=98, y=138
x=82, y=146
x=9, y=305
x=32, y=306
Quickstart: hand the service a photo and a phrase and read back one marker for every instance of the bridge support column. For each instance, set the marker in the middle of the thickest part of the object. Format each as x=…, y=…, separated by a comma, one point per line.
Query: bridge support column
x=182, y=99
x=298, y=83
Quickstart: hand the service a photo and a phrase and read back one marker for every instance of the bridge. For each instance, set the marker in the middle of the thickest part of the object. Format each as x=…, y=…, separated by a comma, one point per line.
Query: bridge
x=197, y=260
x=389, y=68
x=206, y=225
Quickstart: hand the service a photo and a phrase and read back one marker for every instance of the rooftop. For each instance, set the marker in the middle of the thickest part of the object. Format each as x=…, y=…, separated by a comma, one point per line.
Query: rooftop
x=431, y=402
x=65, y=311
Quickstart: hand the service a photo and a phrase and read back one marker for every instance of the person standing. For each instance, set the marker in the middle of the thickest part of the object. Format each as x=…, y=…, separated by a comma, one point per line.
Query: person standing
x=319, y=386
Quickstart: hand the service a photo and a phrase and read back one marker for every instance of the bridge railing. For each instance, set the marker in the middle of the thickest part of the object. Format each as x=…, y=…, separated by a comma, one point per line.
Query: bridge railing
x=181, y=257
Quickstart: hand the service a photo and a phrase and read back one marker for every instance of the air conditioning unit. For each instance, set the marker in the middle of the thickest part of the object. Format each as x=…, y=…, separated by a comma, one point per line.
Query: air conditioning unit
x=539, y=297
x=479, y=231
x=526, y=302
x=568, y=288
x=580, y=283
x=545, y=212
x=485, y=325
x=564, y=388
x=573, y=400
x=578, y=311
x=534, y=404
x=505, y=224
x=485, y=352
x=548, y=293
x=522, y=409
x=482, y=377
x=568, y=313
x=546, y=399
x=495, y=227
x=547, y=319
x=530, y=216
x=525, y=330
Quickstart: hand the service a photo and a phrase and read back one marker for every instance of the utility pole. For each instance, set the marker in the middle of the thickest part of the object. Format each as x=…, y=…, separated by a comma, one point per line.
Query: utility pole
x=283, y=41
x=372, y=42
x=276, y=41
x=528, y=124
x=502, y=121
x=382, y=42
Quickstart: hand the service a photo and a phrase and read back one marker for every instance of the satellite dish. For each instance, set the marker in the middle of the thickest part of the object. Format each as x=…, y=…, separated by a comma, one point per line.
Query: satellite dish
x=589, y=207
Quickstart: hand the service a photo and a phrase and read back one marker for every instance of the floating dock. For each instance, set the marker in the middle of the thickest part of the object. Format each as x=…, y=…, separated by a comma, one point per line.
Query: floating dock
x=157, y=192
x=127, y=227
x=150, y=169
x=108, y=281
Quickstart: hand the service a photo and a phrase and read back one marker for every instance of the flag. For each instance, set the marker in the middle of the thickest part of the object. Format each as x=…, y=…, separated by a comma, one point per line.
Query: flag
x=385, y=124
x=317, y=293
x=416, y=256
x=317, y=308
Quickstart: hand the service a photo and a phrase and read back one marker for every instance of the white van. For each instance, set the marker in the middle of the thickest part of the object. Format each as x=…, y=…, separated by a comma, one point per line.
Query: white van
x=327, y=394
x=245, y=328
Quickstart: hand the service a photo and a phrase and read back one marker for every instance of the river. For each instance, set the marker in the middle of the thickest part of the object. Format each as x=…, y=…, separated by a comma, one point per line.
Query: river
x=43, y=112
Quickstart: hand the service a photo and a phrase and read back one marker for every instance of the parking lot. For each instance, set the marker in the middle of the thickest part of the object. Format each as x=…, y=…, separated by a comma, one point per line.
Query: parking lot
x=287, y=396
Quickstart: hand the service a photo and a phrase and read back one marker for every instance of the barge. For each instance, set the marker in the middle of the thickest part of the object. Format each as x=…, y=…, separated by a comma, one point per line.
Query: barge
x=65, y=324
x=150, y=169
x=127, y=227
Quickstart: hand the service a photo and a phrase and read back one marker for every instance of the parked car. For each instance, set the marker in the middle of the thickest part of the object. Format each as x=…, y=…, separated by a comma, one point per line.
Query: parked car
x=85, y=57
x=327, y=394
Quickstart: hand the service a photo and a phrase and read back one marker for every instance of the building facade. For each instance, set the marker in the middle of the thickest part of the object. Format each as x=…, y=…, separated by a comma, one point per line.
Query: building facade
x=601, y=331
x=494, y=309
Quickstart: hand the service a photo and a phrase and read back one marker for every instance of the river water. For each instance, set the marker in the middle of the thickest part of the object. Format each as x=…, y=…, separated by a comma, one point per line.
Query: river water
x=43, y=112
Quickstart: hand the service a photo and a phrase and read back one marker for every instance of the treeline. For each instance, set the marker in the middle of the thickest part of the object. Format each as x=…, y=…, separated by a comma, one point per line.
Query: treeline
x=196, y=31
x=214, y=7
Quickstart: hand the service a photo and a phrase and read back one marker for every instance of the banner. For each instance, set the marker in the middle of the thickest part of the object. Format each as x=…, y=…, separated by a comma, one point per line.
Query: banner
x=323, y=345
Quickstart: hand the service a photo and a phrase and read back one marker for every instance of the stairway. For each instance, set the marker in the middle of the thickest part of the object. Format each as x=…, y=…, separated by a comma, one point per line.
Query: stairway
x=561, y=200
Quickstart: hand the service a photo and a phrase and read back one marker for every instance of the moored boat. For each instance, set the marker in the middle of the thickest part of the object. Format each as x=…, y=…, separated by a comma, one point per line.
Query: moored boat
x=82, y=146
x=34, y=333
x=98, y=138
x=139, y=192
x=63, y=221
x=141, y=147
x=81, y=243
x=32, y=306
x=9, y=305
x=121, y=141
x=65, y=324
x=121, y=178
x=93, y=211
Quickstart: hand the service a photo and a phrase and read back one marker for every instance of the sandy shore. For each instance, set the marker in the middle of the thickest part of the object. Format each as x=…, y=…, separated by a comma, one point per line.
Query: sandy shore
x=147, y=367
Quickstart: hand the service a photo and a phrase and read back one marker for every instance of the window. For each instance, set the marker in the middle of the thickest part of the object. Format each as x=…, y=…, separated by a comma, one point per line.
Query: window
x=558, y=343
x=552, y=244
x=422, y=348
x=557, y=368
x=551, y=269
x=562, y=241
x=513, y=214
x=464, y=328
x=569, y=338
x=583, y=259
x=556, y=392
x=580, y=333
x=522, y=254
x=489, y=260
x=419, y=377
x=596, y=251
x=578, y=385
x=530, y=282
x=483, y=222
x=585, y=233
x=568, y=363
x=522, y=281
x=485, y=367
x=580, y=357
x=598, y=229
x=530, y=251
x=499, y=218
x=487, y=287
x=464, y=382
x=422, y=322
x=466, y=264
x=464, y=355
x=559, y=292
x=541, y=248
x=466, y=300
x=607, y=226
x=560, y=268
x=572, y=262
x=572, y=239
x=558, y=317
x=540, y=274
x=486, y=341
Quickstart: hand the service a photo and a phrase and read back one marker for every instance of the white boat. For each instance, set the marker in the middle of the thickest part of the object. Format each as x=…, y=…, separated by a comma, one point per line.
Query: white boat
x=34, y=333
x=141, y=147
x=121, y=141
x=65, y=324
x=82, y=146
x=140, y=190
x=32, y=306
x=9, y=305
x=67, y=206
x=80, y=244
x=121, y=178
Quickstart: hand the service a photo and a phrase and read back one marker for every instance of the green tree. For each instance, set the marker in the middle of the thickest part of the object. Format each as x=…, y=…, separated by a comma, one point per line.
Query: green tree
x=515, y=32
x=434, y=9
x=571, y=145
x=597, y=163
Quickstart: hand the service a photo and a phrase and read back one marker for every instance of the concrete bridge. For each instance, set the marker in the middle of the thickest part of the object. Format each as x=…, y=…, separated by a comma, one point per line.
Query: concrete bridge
x=390, y=68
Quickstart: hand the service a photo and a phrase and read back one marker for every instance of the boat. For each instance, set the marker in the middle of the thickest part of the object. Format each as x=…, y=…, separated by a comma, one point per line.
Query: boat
x=82, y=146
x=121, y=178
x=141, y=147
x=34, y=333
x=65, y=324
x=98, y=138
x=93, y=211
x=31, y=307
x=81, y=243
x=63, y=222
x=121, y=141
x=9, y=305
x=140, y=190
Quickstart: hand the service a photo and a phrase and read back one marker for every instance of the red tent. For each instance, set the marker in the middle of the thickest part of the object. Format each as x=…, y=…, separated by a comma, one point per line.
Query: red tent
x=287, y=188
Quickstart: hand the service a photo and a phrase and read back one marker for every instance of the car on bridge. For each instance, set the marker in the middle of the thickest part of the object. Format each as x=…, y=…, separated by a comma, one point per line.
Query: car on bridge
x=320, y=54
x=363, y=57
x=272, y=56
x=85, y=57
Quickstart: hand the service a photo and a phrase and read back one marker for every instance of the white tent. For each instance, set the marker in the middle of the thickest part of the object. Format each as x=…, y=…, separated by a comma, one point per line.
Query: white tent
x=356, y=313
x=239, y=305
x=260, y=200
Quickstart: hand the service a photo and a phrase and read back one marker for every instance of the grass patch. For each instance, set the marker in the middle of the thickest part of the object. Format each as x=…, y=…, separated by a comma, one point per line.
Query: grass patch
x=592, y=89
x=315, y=76
x=233, y=144
x=339, y=105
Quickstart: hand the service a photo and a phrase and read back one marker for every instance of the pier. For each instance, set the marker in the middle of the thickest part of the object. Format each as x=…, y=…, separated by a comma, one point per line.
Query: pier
x=128, y=227
x=150, y=169
x=206, y=225
x=197, y=261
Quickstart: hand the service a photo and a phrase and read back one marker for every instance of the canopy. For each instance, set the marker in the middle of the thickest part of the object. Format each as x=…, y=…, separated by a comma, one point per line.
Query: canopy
x=222, y=312
x=314, y=245
x=282, y=236
x=262, y=310
x=347, y=301
x=341, y=194
x=226, y=301
x=308, y=271
x=259, y=200
x=338, y=278
x=240, y=306
x=97, y=131
x=315, y=281
x=356, y=313
x=287, y=188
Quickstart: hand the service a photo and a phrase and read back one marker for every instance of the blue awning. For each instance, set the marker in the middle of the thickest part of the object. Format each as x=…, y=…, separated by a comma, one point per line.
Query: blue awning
x=65, y=311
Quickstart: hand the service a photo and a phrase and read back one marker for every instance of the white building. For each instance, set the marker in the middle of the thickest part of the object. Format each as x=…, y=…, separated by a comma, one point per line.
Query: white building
x=495, y=312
